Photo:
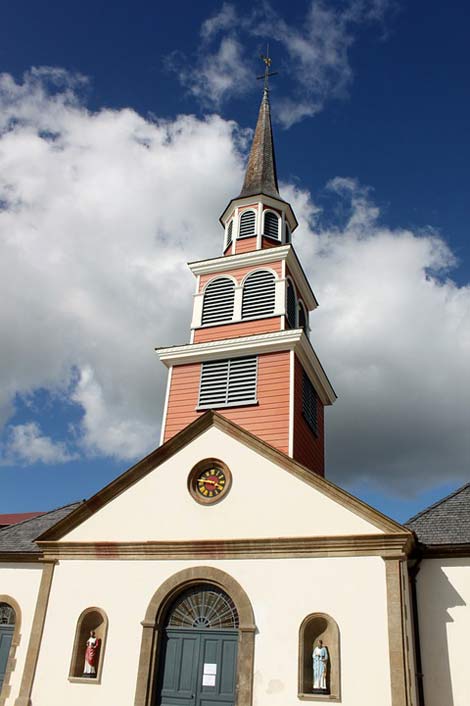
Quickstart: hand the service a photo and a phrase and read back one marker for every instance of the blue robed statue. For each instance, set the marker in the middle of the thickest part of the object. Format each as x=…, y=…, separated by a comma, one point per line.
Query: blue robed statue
x=320, y=666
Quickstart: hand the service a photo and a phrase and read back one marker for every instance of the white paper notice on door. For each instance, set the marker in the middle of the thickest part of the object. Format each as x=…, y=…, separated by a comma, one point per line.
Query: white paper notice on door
x=208, y=680
x=210, y=668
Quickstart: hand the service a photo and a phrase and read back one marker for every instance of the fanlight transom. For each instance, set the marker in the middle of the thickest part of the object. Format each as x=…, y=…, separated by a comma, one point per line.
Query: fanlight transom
x=7, y=614
x=203, y=606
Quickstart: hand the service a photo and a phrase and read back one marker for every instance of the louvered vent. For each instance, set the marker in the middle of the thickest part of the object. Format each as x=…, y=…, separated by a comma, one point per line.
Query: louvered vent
x=291, y=304
x=303, y=319
x=247, y=224
x=229, y=233
x=218, y=301
x=228, y=382
x=271, y=225
x=309, y=403
x=258, y=295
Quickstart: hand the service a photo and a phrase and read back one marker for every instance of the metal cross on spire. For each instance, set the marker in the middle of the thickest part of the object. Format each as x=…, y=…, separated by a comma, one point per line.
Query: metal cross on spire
x=267, y=65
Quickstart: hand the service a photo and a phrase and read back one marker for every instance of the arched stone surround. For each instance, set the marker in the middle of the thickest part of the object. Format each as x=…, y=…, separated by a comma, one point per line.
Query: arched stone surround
x=152, y=626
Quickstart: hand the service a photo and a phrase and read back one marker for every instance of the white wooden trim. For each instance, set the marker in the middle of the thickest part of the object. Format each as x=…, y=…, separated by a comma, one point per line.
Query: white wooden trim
x=198, y=304
x=165, y=409
x=237, y=304
x=259, y=231
x=236, y=225
x=291, y=403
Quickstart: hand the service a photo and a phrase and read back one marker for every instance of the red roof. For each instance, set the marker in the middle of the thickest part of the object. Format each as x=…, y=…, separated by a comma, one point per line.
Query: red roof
x=14, y=518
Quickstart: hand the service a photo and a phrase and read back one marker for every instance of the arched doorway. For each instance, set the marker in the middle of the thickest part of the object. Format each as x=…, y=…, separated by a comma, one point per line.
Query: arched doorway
x=198, y=656
x=154, y=628
x=7, y=629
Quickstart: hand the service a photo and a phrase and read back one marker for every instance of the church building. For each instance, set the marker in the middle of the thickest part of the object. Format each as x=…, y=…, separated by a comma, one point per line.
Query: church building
x=224, y=569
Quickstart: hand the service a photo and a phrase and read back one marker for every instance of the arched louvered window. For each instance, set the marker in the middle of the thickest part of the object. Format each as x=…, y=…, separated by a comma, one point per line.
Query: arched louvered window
x=288, y=234
x=271, y=225
x=258, y=295
x=303, y=317
x=218, y=301
x=291, y=305
x=229, y=233
x=247, y=224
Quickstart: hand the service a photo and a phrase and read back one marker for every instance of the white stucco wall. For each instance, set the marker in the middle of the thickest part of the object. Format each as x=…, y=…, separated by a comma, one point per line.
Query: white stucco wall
x=21, y=582
x=271, y=501
x=282, y=593
x=443, y=587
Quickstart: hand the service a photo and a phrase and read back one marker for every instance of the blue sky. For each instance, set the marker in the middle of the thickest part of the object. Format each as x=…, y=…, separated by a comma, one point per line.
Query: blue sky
x=376, y=164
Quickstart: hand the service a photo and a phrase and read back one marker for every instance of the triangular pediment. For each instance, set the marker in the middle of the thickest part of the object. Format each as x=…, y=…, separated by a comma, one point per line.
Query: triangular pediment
x=271, y=497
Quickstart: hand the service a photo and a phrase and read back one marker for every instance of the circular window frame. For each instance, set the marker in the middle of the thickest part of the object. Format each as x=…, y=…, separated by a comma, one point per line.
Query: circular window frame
x=199, y=468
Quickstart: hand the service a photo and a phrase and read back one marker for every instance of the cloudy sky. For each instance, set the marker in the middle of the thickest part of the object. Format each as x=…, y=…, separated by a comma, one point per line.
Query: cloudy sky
x=124, y=132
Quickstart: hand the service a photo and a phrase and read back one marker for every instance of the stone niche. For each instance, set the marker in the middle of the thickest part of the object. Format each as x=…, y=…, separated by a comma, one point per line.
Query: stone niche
x=91, y=619
x=319, y=626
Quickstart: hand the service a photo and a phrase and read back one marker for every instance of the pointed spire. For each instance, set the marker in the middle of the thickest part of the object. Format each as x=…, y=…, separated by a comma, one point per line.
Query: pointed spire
x=261, y=175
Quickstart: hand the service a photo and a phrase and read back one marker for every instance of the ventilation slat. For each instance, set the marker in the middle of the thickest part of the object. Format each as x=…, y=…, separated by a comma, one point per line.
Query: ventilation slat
x=309, y=403
x=271, y=225
x=229, y=233
x=218, y=301
x=259, y=293
x=291, y=305
x=247, y=224
x=228, y=382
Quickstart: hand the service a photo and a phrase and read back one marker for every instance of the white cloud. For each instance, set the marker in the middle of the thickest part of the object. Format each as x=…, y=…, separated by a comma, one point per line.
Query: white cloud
x=100, y=213
x=313, y=54
x=25, y=444
x=393, y=331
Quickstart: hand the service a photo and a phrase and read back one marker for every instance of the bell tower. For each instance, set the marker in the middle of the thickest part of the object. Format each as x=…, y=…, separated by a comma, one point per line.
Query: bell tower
x=250, y=356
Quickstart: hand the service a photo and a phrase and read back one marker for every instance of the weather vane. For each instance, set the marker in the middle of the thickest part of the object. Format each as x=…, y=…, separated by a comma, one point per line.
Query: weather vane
x=267, y=65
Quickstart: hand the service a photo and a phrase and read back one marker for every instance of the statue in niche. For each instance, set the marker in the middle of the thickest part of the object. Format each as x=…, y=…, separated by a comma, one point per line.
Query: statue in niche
x=91, y=656
x=320, y=667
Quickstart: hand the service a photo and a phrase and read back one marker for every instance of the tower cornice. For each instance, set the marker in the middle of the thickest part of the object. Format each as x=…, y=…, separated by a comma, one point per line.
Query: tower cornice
x=290, y=340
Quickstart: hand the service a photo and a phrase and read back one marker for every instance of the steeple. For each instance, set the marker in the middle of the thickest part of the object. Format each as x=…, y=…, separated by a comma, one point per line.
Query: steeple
x=249, y=356
x=261, y=175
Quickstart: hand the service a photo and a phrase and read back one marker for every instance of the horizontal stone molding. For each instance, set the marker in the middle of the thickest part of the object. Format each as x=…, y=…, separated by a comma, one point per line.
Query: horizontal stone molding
x=395, y=546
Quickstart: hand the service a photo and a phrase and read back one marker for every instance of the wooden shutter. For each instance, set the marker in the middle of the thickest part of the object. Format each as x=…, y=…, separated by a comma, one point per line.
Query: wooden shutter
x=247, y=224
x=271, y=225
x=309, y=403
x=227, y=383
x=229, y=233
x=291, y=304
x=218, y=301
x=258, y=295
x=303, y=318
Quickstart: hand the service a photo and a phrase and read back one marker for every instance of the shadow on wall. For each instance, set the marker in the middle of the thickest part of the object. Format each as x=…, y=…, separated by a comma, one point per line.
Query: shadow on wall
x=436, y=597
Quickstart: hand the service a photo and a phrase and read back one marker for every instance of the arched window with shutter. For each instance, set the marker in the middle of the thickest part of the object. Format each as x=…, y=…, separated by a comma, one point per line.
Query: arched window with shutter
x=259, y=291
x=271, y=225
x=229, y=234
x=247, y=224
x=218, y=303
x=291, y=305
x=303, y=317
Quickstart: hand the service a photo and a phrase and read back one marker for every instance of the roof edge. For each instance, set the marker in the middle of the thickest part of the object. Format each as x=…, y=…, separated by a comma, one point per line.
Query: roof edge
x=185, y=436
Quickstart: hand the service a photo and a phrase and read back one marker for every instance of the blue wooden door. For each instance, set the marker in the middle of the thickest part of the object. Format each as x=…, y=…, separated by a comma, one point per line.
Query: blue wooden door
x=198, y=668
x=6, y=636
